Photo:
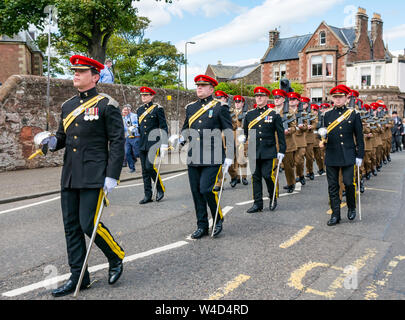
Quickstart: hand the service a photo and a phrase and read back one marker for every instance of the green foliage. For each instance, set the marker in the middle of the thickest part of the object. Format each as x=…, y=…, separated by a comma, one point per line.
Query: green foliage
x=247, y=90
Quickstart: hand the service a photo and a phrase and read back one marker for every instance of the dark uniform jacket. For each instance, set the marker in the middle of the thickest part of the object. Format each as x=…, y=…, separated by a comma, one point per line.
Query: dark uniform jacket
x=266, y=130
x=155, y=119
x=345, y=142
x=93, y=149
x=205, y=134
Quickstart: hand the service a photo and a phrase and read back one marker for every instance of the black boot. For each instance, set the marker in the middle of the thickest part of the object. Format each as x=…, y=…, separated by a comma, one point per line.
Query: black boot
x=361, y=186
x=145, y=200
x=218, y=228
x=351, y=213
x=159, y=195
x=114, y=271
x=291, y=188
x=273, y=205
x=234, y=182
x=69, y=287
x=321, y=172
x=302, y=180
x=199, y=233
x=255, y=208
x=244, y=181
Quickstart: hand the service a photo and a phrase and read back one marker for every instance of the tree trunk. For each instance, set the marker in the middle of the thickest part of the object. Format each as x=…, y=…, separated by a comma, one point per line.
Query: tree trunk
x=95, y=48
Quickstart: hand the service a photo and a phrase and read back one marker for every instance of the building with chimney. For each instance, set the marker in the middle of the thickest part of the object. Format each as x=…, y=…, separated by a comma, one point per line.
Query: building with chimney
x=250, y=74
x=19, y=55
x=332, y=56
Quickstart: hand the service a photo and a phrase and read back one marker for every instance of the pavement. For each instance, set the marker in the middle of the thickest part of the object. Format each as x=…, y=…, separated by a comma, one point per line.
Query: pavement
x=33, y=183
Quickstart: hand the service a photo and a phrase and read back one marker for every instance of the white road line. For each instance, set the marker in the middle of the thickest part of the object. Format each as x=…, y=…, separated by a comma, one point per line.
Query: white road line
x=265, y=198
x=52, y=281
x=58, y=197
x=30, y=205
x=225, y=211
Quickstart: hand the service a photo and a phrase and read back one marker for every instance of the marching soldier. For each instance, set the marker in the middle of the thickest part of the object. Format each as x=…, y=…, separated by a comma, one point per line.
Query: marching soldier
x=92, y=132
x=368, y=147
x=300, y=138
x=223, y=98
x=318, y=152
x=153, y=141
x=238, y=169
x=310, y=137
x=344, y=149
x=206, y=120
x=266, y=124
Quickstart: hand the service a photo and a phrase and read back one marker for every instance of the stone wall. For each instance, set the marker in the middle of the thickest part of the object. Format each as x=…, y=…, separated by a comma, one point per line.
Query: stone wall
x=23, y=114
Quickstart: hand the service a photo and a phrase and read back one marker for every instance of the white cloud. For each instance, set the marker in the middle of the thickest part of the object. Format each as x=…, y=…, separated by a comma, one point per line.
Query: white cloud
x=241, y=63
x=160, y=13
x=253, y=25
x=397, y=32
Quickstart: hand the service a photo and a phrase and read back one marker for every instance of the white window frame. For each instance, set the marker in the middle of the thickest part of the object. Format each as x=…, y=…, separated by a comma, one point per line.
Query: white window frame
x=322, y=38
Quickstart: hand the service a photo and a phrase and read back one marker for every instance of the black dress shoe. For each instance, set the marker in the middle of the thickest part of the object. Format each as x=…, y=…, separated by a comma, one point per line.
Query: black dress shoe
x=311, y=176
x=159, y=195
x=368, y=175
x=115, y=271
x=302, y=180
x=244, y=181
x=333, y=221
x=255, y=208
x=217, y=188
x=351, y=214
x=218, y=228
x=389, y=158
x=145, y=200
x=69, y=287
x=374, y=172
x=362, y=186
x=273, y=205
x=321, y=172
x=199, y=233
x=291, y=188
x=234, y=182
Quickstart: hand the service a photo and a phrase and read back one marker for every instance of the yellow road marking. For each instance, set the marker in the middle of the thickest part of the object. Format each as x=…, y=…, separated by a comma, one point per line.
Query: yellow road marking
x=342, y=205
x=229, y=287
x=297, y=237
x=372, y=288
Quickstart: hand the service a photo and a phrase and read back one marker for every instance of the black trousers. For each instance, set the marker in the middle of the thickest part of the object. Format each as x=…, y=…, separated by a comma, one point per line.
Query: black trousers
x=149, y=173
x=332, y=175
x=202, y=181
x=264, y=169
x=397, y=143
x=79, y=210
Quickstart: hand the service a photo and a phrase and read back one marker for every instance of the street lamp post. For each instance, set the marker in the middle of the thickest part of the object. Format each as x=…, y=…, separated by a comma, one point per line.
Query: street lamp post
x=185, y=65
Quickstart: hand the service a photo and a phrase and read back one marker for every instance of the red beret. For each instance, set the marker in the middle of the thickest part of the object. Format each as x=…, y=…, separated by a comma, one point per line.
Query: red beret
x=262, y=91
x=271, y=106
x=374, y=106
x=85, y=63
x=220, y=93
x=305, y=99
x=279, y=92
x=367, y=107
x=294, y=95
x=203, y=79
x=340, y=90
x=314, y=107
x=238, y=97
x=147, y=90
x=354, y=93
x=325, y=105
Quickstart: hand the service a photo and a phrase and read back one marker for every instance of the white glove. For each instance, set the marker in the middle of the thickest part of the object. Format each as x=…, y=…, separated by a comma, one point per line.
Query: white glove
x=109, y=184
x=242, y=138
x=359, y=162
x=227, y=163
x=163, y=150
x=50, y=141
x=280, y=157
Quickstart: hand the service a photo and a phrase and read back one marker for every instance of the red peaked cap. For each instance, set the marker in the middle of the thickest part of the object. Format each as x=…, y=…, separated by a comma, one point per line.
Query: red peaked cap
x=314, y=107
x=294, y=95
x=305, y=99
x=238, y=97
x=325, y=105
x=374, y=106
x=204, y=79
x=354, y=93
x=271, y=106
x=279, y=92
x=261, y=91
x=147, y=90
x=340, y=90
x=85, y=63
x=220, y=93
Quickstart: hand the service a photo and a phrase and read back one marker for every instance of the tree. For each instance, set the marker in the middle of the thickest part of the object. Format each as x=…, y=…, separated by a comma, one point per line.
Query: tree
x=88, y=24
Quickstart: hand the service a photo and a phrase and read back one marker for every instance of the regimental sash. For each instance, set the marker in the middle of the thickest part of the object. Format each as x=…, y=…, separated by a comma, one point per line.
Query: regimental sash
x=335, y=123
x=259, y=118
x=200, y=112
x=79, y=110
x=146, y=112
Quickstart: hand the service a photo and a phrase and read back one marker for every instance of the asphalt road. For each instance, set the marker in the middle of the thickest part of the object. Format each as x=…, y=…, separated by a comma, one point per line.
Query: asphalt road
x=288, y=254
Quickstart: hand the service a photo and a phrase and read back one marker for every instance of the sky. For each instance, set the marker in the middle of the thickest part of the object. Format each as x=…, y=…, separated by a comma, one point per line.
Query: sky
x=235, y=32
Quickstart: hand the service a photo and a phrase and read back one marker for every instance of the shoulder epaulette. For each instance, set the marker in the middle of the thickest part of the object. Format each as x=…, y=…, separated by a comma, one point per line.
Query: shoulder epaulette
x=69, y=99
x=111, y=101
x=190, y=104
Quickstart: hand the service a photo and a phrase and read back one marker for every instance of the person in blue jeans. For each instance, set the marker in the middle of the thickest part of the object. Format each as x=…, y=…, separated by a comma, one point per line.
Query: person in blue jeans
x=131, y=137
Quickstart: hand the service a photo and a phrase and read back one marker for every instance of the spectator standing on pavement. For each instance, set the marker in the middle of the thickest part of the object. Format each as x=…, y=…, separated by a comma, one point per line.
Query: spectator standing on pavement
x=106, y=75
x=397, y=129
x=403, y=133
x=132, y=137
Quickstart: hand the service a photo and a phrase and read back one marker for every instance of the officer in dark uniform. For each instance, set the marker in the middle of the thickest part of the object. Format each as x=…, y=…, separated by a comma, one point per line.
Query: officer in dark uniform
x=266, y=123
x=206, y=120
x=92, y=133
x=153, y=140
x=344, y=150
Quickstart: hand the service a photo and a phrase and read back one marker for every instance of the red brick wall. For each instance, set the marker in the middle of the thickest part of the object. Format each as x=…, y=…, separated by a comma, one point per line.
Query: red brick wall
x=292, y=70
x=9, y=54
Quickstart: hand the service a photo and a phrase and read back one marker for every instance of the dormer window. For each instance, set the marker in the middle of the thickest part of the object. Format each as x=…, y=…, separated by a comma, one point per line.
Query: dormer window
x=322, y=38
